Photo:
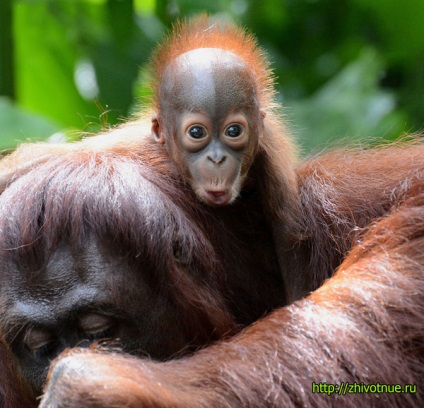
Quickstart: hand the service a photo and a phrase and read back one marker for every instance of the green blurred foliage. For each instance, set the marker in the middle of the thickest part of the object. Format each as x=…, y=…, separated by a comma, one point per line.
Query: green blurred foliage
x=349, y=69
x=349, y=106
x=17, y=124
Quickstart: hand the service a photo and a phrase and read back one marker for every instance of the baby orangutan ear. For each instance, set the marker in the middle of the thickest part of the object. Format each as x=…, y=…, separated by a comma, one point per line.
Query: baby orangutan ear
x=157, y=133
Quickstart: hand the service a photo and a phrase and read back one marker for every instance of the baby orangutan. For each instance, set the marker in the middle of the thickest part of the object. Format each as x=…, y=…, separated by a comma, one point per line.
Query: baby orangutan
x=214, y=110
x=192, y=269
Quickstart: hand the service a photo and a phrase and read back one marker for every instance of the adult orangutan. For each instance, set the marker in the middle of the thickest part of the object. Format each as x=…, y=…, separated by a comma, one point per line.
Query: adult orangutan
x=101, y=246
x=356, y=341
x=365, y=324
x=214, y=110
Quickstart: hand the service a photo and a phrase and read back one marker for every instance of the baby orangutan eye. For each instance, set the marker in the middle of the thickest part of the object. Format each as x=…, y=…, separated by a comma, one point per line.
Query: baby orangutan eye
x=234, y=130
x=197, y=132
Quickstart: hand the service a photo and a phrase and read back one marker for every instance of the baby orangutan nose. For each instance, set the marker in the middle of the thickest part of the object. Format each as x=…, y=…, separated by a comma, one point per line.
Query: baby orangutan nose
x=217, y=160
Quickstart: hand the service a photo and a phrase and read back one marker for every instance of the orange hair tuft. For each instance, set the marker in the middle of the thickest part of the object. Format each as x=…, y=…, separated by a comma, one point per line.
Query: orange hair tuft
x=203, y=32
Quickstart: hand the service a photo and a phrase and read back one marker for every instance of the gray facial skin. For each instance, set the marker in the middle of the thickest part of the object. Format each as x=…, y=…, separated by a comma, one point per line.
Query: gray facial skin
x=210, y=121
x=80, y=298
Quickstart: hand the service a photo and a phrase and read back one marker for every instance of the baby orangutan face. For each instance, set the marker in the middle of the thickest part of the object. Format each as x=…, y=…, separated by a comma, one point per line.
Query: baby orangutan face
x=210, y=121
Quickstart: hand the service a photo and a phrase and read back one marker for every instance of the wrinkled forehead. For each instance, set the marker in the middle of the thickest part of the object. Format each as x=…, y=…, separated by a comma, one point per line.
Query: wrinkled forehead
x=208, y=79
x=124, y=211
x=65, y=269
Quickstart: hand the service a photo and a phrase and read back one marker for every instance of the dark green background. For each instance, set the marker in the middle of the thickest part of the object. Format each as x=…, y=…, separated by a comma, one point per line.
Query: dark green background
x=348, y=69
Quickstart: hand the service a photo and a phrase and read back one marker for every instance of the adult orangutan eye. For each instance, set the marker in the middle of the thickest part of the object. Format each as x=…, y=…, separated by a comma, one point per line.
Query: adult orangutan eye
x=40, y=342
x=96, y=326
x=197, y=132
x=234, y=131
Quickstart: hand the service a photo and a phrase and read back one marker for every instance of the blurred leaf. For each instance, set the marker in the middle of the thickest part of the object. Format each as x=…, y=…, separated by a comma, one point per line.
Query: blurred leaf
x=77, y=61
x=123, y=51
x=45, y=65
x=20, y=126
x=401, y=26
x=145, y=6
x=350, y=106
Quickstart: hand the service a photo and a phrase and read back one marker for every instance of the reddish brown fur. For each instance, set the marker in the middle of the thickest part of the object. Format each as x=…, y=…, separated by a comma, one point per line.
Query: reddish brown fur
x=363, y=325
x=137, y=213
x=276, y=156
x=351, y=188
x=363, y=210
x=277, y=153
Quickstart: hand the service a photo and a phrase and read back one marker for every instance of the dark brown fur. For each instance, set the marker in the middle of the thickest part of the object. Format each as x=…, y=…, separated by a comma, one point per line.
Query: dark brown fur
x=13, y=391
x=274, y=156
x=360, y=212
x=147, y=219
x=363, y=325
